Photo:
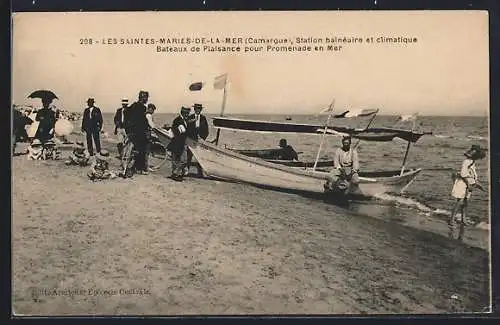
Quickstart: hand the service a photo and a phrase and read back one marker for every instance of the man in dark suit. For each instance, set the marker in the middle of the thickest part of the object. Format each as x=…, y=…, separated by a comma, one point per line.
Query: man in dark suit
x=92, y=126
x=136, y=127
x=197, y=128
x=119, y=126
x=177, y=145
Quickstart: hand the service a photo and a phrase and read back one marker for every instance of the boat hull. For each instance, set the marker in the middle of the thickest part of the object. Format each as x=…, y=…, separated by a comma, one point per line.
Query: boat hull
x=222, y=163
x=268, y=154
x=302, y=164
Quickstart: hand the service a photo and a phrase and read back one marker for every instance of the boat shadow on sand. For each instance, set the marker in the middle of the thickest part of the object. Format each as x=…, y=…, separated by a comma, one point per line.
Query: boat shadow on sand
x=340, y=201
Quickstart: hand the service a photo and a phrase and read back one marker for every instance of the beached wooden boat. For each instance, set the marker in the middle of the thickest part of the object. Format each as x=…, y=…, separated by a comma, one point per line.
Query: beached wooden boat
x=225, y=164
x=266, y=154
x=222, y=163
x=364, y=134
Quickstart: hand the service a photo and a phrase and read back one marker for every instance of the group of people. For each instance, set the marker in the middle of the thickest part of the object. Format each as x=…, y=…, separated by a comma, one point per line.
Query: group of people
x=134, y=127
x=134, y=124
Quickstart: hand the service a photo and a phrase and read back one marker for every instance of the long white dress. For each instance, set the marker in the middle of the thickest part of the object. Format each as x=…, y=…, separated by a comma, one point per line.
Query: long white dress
x=33, y=126
x=468, y=171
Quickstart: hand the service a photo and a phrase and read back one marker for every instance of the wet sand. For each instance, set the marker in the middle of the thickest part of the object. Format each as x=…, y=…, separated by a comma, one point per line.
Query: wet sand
x=149, y=245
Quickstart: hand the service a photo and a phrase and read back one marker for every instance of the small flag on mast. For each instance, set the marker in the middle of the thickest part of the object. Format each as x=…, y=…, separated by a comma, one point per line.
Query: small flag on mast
x=329, y=109
x=220, y=81
x=357, y=113
x=196, y=86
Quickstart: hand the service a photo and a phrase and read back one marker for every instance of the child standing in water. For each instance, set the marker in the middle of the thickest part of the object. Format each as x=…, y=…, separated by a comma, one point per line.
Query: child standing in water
x=465, y=181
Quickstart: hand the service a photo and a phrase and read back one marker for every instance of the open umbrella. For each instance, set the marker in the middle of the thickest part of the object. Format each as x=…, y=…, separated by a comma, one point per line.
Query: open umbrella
x=43, y=94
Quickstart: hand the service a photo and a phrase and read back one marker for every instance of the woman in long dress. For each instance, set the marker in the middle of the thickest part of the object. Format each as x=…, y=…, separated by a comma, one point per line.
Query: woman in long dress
x=465, y=181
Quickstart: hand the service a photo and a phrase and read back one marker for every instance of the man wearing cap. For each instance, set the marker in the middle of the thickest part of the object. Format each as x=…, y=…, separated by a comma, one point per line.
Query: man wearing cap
x=177, y=145
x=197, y=128
x=346, y=167
x=119, y=126
x=136, y=128
x=92, y=126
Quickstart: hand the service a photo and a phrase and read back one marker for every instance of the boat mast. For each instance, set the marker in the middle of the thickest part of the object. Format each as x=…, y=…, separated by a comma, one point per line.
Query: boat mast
x=330, y=111
x=223, y=106
x=408, y=146
x=366, y=127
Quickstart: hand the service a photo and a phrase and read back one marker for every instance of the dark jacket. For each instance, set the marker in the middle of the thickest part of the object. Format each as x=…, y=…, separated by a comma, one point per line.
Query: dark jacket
x=135, y=120
x=47, y=119
x=288, y=153
x=202, y=131
x=178, y=143
x=118, y=119
x=94, y=122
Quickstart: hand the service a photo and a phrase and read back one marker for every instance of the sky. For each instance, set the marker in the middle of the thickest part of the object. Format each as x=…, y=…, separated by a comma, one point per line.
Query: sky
x=445, y=72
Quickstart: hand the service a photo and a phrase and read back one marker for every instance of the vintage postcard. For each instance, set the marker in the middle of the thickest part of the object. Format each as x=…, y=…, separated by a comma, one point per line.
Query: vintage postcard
x=234, y=163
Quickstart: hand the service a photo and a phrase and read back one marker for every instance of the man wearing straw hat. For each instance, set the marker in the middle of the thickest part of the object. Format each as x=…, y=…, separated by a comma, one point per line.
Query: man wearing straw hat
x=120, y=126
x=178, y=144
x=197, y=128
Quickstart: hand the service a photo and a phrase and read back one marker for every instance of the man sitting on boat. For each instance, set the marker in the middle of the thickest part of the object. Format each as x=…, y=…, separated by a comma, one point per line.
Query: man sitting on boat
x=286, y=151
x=345, y=173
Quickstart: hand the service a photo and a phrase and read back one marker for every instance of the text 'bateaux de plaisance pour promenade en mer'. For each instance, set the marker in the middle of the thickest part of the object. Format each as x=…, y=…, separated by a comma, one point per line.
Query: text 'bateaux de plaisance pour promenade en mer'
x=249, y=45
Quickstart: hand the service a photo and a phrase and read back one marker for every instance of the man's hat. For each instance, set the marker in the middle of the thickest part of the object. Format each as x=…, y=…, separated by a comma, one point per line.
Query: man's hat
x=124, y=101
x=198, y=106
x=475, y=152
x=185, y=109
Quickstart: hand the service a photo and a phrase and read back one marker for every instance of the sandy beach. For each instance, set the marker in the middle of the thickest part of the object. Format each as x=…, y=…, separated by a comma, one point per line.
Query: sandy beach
x=150, y=246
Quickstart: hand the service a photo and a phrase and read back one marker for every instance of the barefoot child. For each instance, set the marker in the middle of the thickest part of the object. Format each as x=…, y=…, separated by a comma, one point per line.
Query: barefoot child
x=465, y=182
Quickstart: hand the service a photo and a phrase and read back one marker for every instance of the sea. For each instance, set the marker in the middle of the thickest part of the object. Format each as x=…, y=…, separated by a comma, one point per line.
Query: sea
x=439, y=155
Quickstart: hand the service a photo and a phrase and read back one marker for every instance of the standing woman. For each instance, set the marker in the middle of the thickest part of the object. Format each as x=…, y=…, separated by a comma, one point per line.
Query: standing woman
x=47, y=122
x=465, y=181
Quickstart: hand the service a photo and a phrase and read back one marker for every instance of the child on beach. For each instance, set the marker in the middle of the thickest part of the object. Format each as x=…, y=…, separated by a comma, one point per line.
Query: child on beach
x=35, y=150
x=100, y=171
x=79, y=157
x=465, y=181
